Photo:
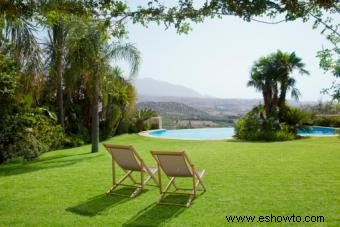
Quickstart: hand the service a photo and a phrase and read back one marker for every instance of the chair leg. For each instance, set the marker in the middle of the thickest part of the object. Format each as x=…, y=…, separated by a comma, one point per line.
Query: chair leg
x=136, y=192
x=173, y=182
x=151, y=175
x=131, y=178
x=190, y=199
x=165, y=189
x=119, y=182
x=201, y=181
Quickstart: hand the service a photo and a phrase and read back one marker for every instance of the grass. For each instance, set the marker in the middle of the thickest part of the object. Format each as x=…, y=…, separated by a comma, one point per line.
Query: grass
x=66, y=187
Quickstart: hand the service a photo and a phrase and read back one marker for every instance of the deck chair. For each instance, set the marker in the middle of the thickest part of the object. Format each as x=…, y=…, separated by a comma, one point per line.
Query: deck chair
x=177, y=164
x=129, y=161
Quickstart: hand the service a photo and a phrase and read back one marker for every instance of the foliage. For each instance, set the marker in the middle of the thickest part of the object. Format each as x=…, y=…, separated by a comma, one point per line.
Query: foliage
x=85, y=36
x=25, y=131
x=275, y=120
x=254, y=127
x=28, y=134
x=327, y=120
x=89, y=62
x=126, y=125
x=119, y=97
x=324, y=108
x=325, y=114
x=330, y=55
x=270, y=75
x=296, y=118
x=141, y=116
x=8, y=85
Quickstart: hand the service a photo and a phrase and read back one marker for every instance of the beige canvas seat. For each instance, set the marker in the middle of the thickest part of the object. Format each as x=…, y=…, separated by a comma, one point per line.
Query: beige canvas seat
x=174, y=165
x=129, y=161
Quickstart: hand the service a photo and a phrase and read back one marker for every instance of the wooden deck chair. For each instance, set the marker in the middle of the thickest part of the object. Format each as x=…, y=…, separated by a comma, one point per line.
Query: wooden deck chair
x=177, y=164
x=128, y=159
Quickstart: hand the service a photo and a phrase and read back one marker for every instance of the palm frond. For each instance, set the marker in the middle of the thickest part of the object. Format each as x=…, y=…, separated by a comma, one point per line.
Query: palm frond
x=127, y=52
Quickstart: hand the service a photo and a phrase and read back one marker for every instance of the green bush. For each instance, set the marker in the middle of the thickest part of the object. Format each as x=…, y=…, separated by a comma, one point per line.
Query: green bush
x=254, y=127
x=29, y=134
x=327, y=121
x=296, y=118
x=126, y=125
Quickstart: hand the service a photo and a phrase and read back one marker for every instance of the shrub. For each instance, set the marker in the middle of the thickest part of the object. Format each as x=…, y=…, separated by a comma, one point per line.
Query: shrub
x=327, y=120
x=254, y=127
x=141, y=117
x=126, y=125
x=296, y=118
x=153, y=123
x=29, y=134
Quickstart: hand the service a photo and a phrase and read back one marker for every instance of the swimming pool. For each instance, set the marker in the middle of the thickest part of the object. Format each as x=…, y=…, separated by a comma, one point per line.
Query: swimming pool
x=194, y=134
x=224, y=133
x=317, y=131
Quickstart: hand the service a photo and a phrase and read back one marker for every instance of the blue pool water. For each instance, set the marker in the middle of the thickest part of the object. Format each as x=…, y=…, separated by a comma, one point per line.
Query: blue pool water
x=195, y=134
x=226, y=133
x=317, y=131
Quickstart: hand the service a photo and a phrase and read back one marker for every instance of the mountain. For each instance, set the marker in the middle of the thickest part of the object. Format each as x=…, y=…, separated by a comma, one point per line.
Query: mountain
x=152, y=87
x=212, y=106
x=173, y=109
x=216, y=106
x=179, y=115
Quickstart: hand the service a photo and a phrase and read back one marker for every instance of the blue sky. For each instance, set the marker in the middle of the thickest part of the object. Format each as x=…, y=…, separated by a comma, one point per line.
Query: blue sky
x=216, y=57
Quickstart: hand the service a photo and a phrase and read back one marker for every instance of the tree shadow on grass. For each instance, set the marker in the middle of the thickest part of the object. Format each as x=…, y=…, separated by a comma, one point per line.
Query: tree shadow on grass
x=100, y=203
x=157, y=214
x=22, y=168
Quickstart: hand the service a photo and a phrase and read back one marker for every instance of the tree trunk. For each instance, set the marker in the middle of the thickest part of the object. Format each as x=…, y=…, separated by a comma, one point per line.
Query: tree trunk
x=95, y=118
x=58, y=55
x=60, y=96
x=266, y=104
x=282, y=100
x=267, y=98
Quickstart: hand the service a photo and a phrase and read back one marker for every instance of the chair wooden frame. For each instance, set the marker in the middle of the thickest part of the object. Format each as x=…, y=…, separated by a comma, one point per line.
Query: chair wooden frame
x=142, y=168
x=194, y=174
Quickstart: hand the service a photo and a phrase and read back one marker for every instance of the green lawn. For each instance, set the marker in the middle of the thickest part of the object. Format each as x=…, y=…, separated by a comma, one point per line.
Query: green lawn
x=67, y=187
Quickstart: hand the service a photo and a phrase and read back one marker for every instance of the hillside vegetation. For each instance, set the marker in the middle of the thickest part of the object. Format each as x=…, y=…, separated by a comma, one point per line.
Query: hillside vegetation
x=179, y=115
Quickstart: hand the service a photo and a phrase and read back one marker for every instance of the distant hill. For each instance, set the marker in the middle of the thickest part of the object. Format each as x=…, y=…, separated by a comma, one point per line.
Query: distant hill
x=152, y=87
x=179, y=115
x=173, y=109
x=216, y=106
x=212, y=106
x=175, y=100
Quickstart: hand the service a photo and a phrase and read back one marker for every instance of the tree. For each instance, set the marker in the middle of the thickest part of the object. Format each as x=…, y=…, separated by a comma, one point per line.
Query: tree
x=90, y=57
x=142, y=115
x=19, y=42
x=284, y=65
x=56, y=51
x=118, y=101
x=270, y=75
x=263, y=81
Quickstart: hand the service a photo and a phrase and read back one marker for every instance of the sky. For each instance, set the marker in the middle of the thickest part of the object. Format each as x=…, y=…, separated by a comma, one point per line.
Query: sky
x=215, y=58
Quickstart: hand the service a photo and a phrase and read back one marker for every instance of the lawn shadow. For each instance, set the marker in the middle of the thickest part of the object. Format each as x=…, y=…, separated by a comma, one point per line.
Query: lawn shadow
x=46, y=163
x=59, y=156
x=100, y=203
x=156, y=214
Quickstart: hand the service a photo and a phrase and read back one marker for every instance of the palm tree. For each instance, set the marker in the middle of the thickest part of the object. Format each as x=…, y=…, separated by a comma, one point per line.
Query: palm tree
x=142, y=115
x=285, y=64
x=270, y=75
x=18, y=40
x=261, y=78
x=90, y=57
x=118, y=100
x=56, y=52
